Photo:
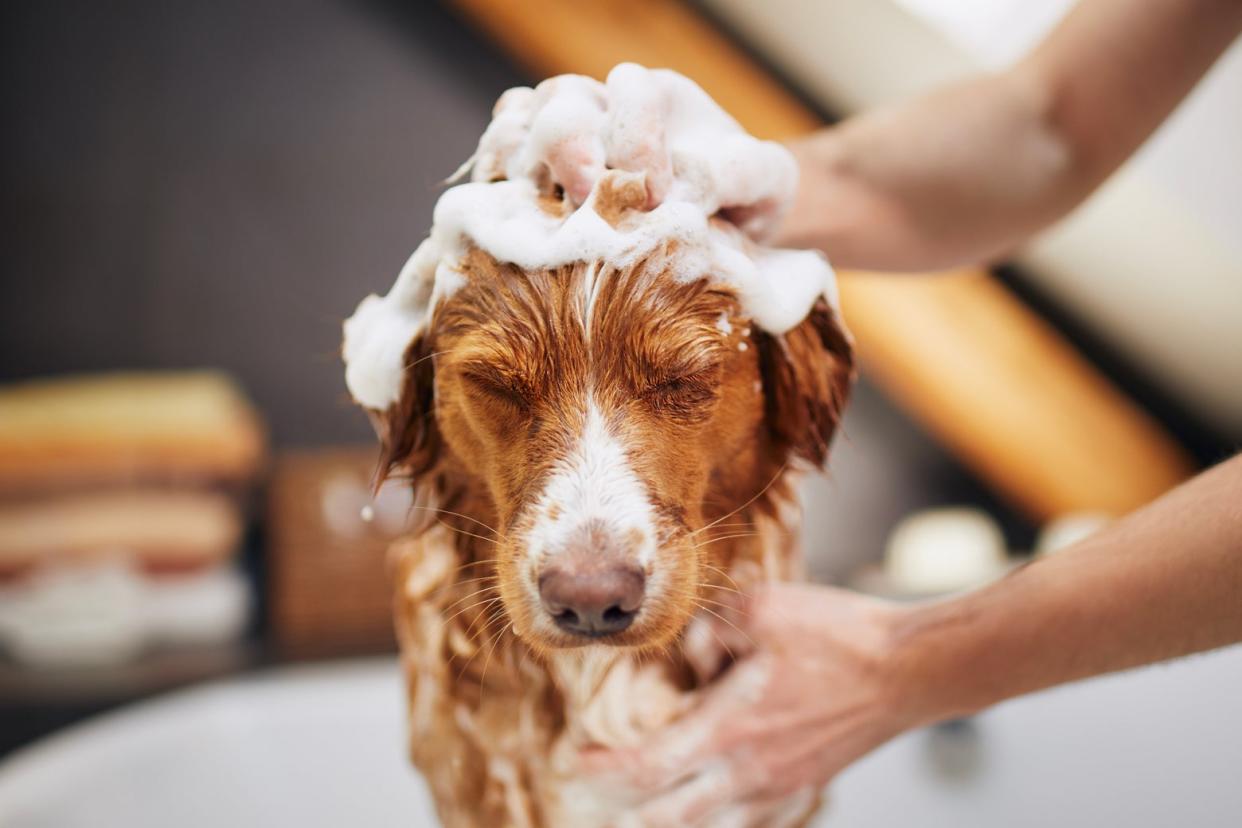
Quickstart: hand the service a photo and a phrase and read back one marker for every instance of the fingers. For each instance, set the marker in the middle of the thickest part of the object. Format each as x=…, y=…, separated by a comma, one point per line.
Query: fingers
x=505, y=135
x=784, y=811
x=565, y=134
x=681, y=749
x=758, y=220
x=571, y=129
x=715, y=798
x=771, y=613
x=635, y=132
x=575, y=162
x=666, y=759
x=752, y=194
x=689, y=803
x=686, y=747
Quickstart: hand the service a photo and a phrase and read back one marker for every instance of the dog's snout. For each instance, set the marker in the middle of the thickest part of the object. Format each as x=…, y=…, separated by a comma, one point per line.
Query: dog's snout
x=592, y=598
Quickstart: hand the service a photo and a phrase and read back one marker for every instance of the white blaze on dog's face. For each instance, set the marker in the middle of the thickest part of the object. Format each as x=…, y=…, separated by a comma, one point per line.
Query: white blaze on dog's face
x=608, y=415
x=593, y=490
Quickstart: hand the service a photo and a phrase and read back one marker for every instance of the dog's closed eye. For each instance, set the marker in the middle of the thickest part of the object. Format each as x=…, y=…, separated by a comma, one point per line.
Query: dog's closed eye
x=688, y=395
x=500, y=386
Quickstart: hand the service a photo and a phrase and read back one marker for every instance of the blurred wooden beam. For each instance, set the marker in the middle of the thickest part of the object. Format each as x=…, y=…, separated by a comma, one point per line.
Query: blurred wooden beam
x=991, y=380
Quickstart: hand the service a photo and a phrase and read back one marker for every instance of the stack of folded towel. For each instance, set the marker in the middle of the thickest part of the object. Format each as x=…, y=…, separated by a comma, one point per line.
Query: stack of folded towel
x=122, y=507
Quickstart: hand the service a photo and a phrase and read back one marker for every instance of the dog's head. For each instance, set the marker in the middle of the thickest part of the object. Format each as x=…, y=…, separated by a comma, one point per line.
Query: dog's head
x=604, y=405
x=606, y=417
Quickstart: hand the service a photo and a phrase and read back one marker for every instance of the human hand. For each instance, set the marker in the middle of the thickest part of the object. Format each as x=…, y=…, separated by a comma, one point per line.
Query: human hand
x=846, y=209
x=810, y=693
x=655, y=124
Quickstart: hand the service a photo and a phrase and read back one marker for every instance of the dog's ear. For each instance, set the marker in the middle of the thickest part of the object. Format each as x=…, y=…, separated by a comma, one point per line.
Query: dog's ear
x=807, y=374
x=409, y=437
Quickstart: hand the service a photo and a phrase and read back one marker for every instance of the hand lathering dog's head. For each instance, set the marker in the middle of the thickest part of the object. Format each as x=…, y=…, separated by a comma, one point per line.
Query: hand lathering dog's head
x=604, y=416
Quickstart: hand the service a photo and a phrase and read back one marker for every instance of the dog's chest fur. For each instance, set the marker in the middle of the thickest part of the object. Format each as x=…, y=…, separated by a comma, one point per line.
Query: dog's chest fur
x=495, y=729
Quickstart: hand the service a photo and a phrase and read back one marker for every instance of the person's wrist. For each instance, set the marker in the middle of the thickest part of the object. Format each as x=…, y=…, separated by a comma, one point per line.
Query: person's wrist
x=915, y=680
x=804, y=224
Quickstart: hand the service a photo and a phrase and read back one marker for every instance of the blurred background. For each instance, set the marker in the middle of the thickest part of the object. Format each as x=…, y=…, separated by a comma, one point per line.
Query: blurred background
x=197, y=194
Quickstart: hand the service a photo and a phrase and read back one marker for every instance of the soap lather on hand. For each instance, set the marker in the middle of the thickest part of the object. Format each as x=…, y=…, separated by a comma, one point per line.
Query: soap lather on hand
x=652, y=122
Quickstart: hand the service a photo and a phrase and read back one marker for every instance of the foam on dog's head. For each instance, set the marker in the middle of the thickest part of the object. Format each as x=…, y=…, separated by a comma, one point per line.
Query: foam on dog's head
x=709, y=194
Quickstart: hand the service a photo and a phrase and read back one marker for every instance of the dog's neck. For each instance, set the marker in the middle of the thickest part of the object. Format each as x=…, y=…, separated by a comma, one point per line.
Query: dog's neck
x=525, y=714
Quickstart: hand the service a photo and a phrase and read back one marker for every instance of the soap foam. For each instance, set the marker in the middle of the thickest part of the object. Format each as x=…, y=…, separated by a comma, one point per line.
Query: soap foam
x=698, y=168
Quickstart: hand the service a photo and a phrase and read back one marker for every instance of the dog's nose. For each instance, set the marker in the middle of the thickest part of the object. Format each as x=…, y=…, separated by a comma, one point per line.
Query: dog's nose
x=592, y=600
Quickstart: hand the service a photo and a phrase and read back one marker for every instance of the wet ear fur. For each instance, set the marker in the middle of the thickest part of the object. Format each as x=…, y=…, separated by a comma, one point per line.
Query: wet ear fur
x=807, y=374
x=409, y=437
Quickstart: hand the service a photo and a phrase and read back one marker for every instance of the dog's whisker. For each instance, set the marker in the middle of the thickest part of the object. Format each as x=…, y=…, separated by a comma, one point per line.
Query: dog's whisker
x=717, y=531
x=479, y=603
x=473, y=580
x=720, y=640
x=437, y=509
x=466, y=665
x=424, y=358
x=468, y=534
x=725, y=538
x=468, y=596
x=740, y=631
x=449, y=586
x=727, y=589
x=736, y=586
x=490, y=645
x=480, y=579
x=724, y=526
x=483, y=562
x=758, y=495
x=488, y=605
x=695, y=597
x=720, y=604
x=487, y=660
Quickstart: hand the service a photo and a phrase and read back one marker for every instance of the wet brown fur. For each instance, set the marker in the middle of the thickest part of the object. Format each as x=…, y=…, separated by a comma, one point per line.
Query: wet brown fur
x=495, y=392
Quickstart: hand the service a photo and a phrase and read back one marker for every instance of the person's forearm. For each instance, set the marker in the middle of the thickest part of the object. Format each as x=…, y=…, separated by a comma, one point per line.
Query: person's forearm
x=1114, y=69
x=820, y=676
x=1164, y=582
x=956, y=176
x=967, y=173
